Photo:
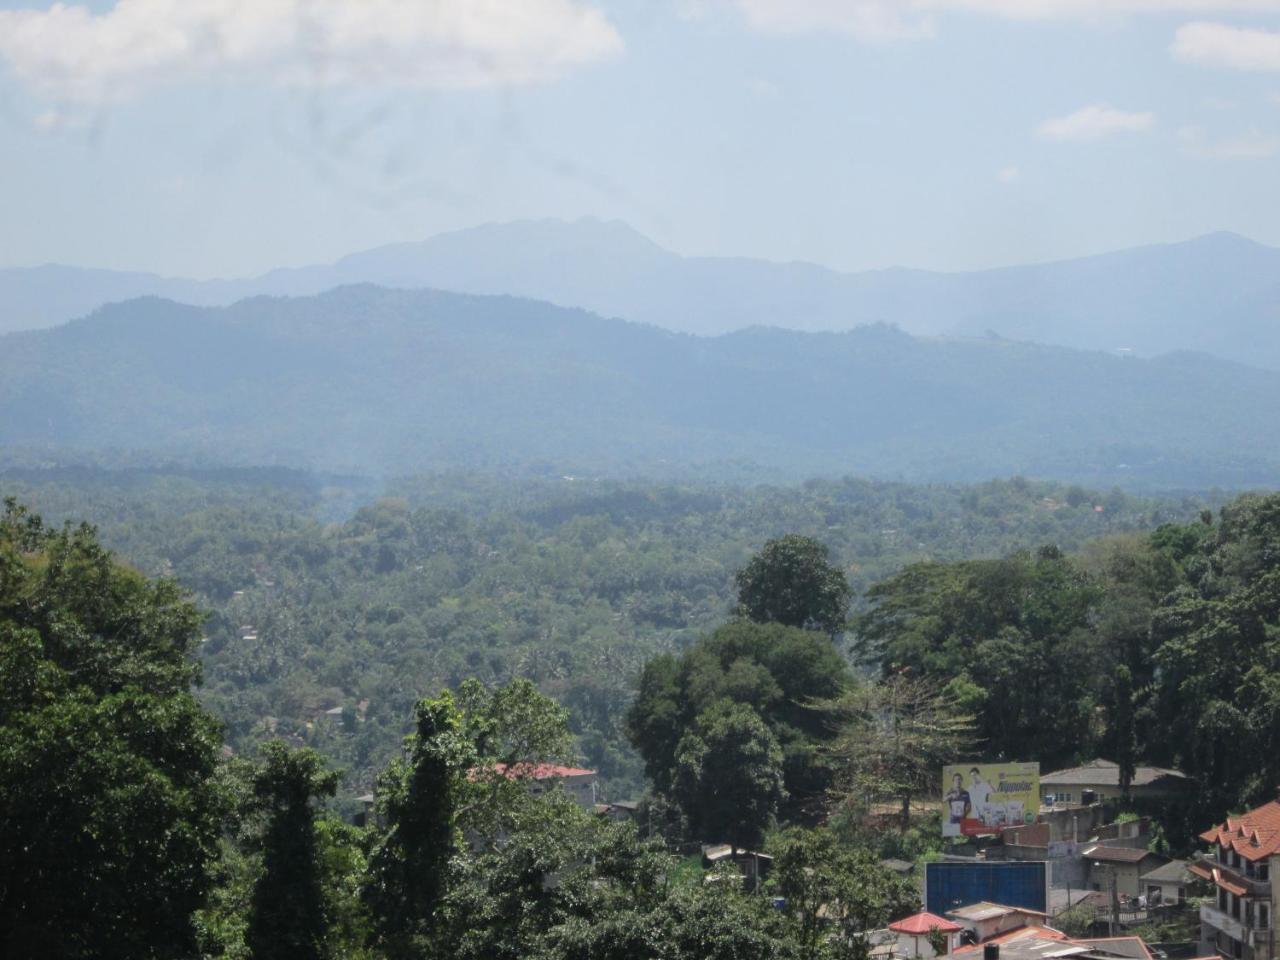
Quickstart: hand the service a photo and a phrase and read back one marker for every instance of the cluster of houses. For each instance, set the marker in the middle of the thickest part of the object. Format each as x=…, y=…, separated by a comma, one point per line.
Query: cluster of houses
x=1091, y=861
x=992, y=931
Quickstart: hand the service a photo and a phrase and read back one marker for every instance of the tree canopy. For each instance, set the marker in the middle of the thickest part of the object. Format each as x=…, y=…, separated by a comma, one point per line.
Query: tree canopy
x=109, y=816
x=791, y=581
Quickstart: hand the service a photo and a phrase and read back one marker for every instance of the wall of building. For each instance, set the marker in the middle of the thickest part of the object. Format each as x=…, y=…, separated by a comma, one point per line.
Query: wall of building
x=1127, y=874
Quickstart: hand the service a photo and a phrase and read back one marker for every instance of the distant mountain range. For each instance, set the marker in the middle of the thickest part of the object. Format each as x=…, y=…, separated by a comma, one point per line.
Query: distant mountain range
x=382, y=381
x=1218, y=294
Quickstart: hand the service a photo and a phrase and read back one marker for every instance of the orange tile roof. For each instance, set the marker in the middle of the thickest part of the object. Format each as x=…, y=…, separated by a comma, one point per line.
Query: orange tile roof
x=1254, y=835
x=1040, y=933
x=540, y=771
x=531, y=771
x=1135, y=941
x=921, y=923
x=1220, y=877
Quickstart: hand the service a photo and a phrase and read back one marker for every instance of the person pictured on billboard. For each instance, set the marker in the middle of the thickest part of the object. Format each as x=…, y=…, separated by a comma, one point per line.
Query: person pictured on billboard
x=979, y=795
x=958, y=801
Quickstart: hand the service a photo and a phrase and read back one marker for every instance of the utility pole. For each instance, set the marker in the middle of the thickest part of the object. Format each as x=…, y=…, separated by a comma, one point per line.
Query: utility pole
x=1115, y=900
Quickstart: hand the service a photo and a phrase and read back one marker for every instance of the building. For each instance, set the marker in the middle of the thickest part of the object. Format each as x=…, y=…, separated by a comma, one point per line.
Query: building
x=1047, y=943
x=1126, y=864
x=913, y=934
x=577, y=782
x=1100, y=780
x=618, y=809
x=1167, y=885
x=754, y=866
x=1238, y=921
x=985, y=920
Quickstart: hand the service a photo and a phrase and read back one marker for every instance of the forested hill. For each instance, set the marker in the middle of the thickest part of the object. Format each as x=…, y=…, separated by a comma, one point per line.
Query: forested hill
x=381, y=381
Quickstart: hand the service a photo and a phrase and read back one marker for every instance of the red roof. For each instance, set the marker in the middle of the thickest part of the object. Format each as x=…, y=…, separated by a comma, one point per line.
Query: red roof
x=922, y=923
x=540, y=771
x=1221, y=877
x=1254, y=835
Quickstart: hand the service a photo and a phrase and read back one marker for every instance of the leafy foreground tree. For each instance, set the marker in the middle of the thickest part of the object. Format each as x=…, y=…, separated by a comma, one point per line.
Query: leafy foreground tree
x=461, y=772
x=790, y=581
x=1217, y=697
x=780, y=673
x=288, y=918
x=1010, y=640
x=419, y=800
x=568, y=886
x=729, y=775
x=109, y=816
x=835, y=893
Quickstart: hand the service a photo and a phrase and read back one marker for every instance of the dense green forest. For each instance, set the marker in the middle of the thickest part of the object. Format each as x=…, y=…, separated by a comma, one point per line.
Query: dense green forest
x=572, y=584
x=779, y=696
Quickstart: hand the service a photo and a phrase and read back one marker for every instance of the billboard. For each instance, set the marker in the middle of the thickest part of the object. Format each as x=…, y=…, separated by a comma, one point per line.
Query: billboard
x=949, y=884
x=982, y=798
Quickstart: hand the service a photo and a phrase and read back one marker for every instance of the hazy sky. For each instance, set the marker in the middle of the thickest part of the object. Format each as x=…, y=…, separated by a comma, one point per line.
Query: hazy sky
x=225, y=137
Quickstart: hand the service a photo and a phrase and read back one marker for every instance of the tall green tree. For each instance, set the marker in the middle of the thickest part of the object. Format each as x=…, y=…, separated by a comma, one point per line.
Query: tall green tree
x=288, y=915
x=1013, y=636
x=781, y=673
x=729, y=779
x=792, y=581
x=418, y=801
x=109, y=814
x=835, y=893
x=1216, y=701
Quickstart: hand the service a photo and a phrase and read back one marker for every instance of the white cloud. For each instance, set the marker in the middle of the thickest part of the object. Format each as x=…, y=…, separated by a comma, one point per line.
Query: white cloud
x=69, y=53
x=1253, y=145
x=887, y=20
x=1219, y=45
x=872, y=21
x=1008, y=174
x=1093, y=123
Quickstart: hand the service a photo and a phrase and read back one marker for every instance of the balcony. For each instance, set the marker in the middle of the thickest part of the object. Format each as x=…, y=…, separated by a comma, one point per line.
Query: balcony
x=1219, y=920
x=1239, y=878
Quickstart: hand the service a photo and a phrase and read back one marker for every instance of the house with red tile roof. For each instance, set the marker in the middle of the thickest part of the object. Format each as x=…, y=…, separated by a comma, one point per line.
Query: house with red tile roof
x=1238, y=922
x=580, y=783
x=913, y=934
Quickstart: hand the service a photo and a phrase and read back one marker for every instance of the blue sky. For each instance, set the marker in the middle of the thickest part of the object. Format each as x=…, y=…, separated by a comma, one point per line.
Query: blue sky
x=200, y=137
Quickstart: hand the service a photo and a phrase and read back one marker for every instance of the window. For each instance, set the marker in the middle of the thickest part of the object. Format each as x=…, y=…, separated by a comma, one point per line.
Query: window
x=1222, y=900
x=1264, y=916
x=1264, y=872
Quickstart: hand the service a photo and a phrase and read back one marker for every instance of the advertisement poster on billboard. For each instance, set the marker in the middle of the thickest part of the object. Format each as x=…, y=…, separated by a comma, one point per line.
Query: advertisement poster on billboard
x=981, y=798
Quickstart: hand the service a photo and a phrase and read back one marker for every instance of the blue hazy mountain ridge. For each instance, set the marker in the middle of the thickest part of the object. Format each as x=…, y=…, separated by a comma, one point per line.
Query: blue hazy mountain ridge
x=1217, y=294
x=382, y=381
